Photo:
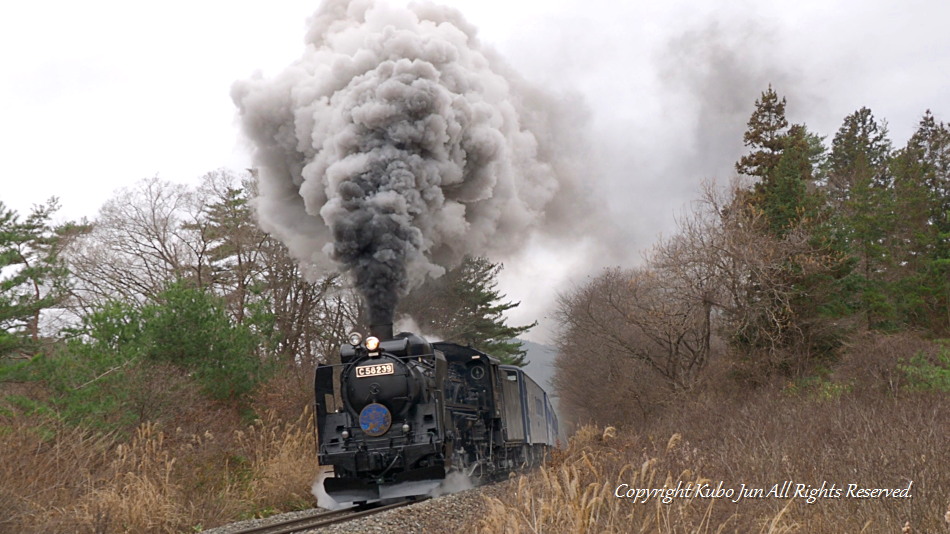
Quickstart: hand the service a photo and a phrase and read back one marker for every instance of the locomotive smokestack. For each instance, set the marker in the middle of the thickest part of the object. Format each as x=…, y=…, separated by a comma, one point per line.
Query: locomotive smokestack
x=382, y=331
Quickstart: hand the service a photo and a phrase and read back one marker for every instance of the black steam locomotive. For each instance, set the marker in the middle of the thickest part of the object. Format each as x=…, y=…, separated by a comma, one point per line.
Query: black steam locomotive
x=399, y=413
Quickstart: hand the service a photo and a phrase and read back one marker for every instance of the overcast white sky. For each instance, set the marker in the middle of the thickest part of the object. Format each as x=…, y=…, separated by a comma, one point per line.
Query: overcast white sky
x=97, y=95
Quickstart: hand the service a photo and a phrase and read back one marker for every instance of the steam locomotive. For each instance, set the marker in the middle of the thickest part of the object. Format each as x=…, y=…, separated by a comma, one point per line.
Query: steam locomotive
x=399, y=414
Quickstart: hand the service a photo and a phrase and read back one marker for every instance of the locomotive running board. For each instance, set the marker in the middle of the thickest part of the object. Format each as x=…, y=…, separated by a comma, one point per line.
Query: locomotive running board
x=415, y=482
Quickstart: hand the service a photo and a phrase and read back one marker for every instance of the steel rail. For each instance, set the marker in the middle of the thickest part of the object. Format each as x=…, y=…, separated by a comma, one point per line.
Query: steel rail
x=321, y=519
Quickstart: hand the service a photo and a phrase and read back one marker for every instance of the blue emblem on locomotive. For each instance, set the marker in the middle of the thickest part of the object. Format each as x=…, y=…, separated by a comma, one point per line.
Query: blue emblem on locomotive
x=375, y=420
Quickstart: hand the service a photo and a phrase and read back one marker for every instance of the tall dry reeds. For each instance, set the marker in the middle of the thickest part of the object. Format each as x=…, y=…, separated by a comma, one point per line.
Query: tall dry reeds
x=576, y=492
x=58, y=478
x=772, y=436
x=44, y=465
x=859, y=423
x=139, y=493
x=283, y=461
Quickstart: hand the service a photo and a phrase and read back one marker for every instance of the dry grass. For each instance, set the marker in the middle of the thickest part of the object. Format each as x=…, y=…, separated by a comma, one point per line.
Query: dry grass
x=283, y=461
x=42, y=465
x=576, y=492
x=855, y=426
x=140, y=494
x=859, y=425
x=63, y=479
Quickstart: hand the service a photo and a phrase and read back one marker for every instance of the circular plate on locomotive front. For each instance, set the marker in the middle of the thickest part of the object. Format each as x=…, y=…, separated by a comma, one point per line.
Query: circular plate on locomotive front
x=375, y=419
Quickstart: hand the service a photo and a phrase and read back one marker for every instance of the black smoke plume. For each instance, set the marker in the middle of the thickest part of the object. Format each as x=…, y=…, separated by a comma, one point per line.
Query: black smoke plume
x=397, y=144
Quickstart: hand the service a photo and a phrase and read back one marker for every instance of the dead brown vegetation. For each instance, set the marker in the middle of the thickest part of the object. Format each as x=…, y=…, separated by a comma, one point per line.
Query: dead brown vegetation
x=64, y=479
x=577, y=491
x=856, y=425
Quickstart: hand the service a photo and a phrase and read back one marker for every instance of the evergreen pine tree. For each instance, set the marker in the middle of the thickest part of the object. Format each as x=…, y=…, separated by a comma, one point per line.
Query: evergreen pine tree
x=32, y=277
x=860, y=145
x=465, y=306
x=860, y=192
x=235, y=247
x=765, y=136
x=783, y=195
x=791, y=301
x=922, y=226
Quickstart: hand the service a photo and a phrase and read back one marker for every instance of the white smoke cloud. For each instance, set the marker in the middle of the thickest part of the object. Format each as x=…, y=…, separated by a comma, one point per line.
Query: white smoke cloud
x=454, y=482
x=398, y=143
x=405, y=323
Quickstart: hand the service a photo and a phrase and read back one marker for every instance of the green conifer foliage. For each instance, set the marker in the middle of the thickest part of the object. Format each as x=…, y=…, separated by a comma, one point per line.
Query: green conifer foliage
x=861, y=140
x=860, y=192
x=765, y=136
x=922, y=226
x=32, y=277
x=465, y=307
x=783, y=194
x=190, y=328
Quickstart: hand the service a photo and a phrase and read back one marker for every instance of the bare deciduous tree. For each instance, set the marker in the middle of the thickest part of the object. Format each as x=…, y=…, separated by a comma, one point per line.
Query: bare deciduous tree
x=722, y=272
x=765, y=289
x=158, y=232
x=643, y=315
x=601, y=386
x=139, y=242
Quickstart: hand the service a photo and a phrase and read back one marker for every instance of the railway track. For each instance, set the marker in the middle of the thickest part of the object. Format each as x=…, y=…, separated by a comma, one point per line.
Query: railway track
x=322, y=519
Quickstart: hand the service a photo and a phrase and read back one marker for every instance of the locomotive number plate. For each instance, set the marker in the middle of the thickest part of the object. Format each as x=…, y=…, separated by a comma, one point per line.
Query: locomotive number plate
x=374, y=370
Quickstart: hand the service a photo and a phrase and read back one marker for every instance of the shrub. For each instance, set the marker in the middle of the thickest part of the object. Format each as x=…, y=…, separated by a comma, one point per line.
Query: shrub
x=191, y=328
x=929, y=373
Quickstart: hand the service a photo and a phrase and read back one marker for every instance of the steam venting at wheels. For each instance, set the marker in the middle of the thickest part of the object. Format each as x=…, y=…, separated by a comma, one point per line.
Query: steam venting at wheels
x=397, y=144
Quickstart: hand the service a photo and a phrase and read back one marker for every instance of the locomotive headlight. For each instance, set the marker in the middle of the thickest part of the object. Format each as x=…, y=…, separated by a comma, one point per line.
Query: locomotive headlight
x=405, y=428
x=355, y=338
x=345, y=434
x=372, y=343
